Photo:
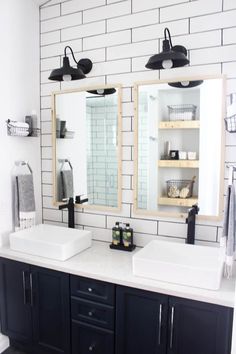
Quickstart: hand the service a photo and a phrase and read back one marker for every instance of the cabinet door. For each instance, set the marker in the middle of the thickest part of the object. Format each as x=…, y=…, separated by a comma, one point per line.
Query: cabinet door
x=51, y=311
x=199, y=328
x=87, y=339
x=141, y=322
x=15, y=307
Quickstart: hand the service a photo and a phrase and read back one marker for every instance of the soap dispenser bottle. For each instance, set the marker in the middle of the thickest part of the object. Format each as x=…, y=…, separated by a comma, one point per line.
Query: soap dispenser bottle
x=128, y=236
x=117, y=234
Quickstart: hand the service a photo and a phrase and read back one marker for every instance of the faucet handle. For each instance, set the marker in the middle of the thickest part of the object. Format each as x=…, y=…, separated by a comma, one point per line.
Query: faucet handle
x=196, y=207
x=79, y=200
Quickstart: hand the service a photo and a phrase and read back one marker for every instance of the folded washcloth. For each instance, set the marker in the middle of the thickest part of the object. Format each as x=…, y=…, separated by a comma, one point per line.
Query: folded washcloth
x=24, y=202
x=228, y=236
x=67, y=183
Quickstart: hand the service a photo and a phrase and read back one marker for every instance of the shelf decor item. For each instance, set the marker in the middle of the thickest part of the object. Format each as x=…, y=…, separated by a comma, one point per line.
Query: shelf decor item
x=177, y=188
x=182, y=112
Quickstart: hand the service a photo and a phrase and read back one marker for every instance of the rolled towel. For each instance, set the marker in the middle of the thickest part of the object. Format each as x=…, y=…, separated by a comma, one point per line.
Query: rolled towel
x=18, y=132
x=13, y=123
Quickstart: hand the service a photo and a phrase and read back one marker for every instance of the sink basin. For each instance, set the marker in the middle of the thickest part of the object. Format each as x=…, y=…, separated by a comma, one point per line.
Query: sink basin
x=50, y=241
x=191, y=265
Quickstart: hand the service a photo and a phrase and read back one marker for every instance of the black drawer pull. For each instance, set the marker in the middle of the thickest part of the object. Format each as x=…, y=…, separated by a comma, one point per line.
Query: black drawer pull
x=91, y=347
x=91, y=313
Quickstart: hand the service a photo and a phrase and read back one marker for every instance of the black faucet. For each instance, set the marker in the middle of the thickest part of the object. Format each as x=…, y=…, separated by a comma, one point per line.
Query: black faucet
x=71, y=209
x=191, y=219
x=71, y=212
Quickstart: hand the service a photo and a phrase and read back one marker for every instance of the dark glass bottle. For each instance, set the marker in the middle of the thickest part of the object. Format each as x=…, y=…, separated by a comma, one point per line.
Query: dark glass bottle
x=117, y=234
x=128, y=235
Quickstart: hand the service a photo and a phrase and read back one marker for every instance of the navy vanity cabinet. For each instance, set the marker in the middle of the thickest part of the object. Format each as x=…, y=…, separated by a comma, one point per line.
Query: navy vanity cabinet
x=16, y=315
x=141, y=322
x=199, y=328
x=35, y=308
x=188, y=327
x=93, y=316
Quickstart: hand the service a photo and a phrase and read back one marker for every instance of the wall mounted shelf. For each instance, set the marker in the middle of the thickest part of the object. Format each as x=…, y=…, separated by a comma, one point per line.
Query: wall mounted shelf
x=188, y=202
x=187, y=124
x=178, y=163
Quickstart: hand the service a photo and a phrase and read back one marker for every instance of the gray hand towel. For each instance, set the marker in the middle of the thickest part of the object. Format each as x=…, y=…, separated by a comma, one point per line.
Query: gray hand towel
x=229, y=229
x=24, y=201
x=67, y=183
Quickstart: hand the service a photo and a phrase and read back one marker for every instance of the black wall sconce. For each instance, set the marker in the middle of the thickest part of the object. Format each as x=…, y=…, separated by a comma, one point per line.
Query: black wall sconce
x=67, y=72
x=170, y=57
x=186, y=84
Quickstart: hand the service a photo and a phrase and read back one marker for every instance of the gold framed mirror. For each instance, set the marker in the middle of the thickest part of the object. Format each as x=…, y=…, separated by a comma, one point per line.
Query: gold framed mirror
x=179, y=146
x=86, y=140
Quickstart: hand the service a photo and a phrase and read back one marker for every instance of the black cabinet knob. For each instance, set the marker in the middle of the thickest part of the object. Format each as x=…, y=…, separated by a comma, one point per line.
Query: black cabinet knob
x=91, y=313
x=91, y=347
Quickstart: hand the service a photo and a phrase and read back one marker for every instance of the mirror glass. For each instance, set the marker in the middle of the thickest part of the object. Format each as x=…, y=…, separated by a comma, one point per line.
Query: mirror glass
x=179, y=146
x=87, y=144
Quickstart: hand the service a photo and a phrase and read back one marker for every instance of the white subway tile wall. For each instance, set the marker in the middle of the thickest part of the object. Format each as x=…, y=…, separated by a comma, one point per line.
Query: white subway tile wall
x=119, y=36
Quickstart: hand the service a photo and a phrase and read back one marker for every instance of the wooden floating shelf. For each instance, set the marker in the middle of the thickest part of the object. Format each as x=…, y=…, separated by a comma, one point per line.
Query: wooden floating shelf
x=188, y=202
x=179, y=163
x=180, y=124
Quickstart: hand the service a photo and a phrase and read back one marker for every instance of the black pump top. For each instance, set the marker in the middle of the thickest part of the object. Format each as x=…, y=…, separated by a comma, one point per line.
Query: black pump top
x=117, y=223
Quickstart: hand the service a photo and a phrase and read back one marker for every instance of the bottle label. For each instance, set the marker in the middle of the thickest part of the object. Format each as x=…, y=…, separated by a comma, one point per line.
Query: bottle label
x=127, y=238
x=116, y=237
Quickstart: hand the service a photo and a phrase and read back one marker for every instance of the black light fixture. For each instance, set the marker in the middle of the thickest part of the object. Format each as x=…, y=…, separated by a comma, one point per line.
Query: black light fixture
x=186, y=84
x=103, y=92
x=67, y=72
x=170, y=57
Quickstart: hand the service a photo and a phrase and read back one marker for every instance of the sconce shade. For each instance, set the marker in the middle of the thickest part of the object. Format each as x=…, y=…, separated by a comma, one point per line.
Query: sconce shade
x=103, y=92
x=67, y=72
x=66, y=69
x=170, y=57
x=186, y=84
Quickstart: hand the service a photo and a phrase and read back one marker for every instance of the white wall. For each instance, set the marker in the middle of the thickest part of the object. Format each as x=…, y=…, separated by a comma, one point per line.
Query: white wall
x=19, y=92
x=120, y=36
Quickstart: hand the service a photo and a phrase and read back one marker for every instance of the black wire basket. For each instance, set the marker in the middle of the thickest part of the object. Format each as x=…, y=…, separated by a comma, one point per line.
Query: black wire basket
x=230, y=124
x=13, y=130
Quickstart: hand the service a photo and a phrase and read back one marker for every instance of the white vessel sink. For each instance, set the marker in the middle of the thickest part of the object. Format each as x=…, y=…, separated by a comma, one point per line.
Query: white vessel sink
x=191, y=265
x=50, y=241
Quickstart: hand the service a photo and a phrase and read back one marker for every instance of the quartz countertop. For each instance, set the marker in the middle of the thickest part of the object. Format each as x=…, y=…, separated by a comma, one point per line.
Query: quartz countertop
x=101, y=263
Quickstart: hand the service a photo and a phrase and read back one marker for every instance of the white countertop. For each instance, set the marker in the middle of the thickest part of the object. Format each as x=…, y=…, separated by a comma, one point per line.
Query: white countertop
x=102, y=263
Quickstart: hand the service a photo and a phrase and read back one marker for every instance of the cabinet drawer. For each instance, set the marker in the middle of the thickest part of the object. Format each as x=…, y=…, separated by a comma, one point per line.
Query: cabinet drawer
x=93, y=313
x=87, y=339
x=92, y=290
